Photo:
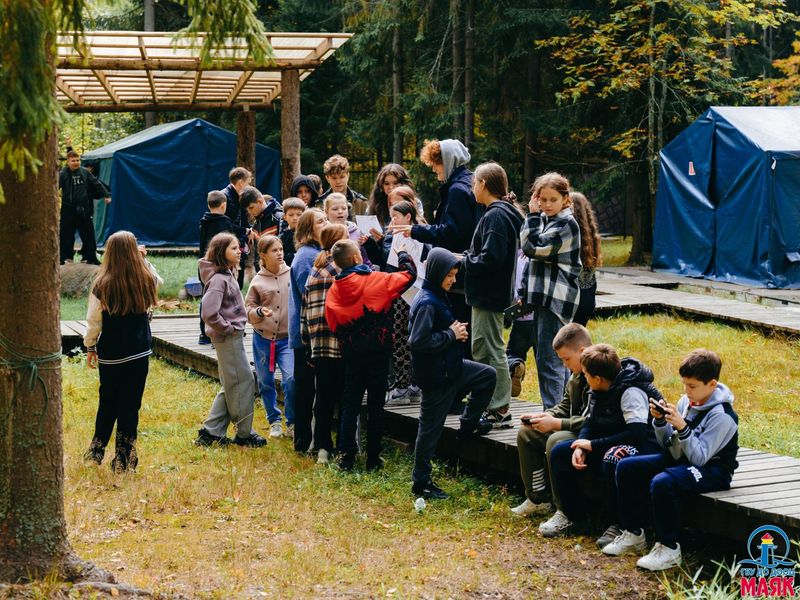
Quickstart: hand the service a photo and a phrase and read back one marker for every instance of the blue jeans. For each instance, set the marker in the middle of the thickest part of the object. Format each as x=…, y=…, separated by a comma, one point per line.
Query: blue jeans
x=284, y=360
x=552, y=373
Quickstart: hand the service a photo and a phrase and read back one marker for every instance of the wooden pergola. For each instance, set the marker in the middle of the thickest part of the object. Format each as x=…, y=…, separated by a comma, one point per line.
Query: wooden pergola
x=137, y=71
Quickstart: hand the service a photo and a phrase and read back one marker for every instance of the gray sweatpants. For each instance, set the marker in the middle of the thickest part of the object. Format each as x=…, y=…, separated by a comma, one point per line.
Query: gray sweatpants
x=234, y=402
x=534, y=449
x=489, y=348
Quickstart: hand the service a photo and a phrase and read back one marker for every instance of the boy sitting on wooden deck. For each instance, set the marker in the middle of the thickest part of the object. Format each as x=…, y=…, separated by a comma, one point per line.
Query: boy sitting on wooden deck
x=699, y=439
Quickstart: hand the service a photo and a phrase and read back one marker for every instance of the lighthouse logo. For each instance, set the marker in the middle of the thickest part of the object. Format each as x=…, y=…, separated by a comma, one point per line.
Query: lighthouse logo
x=769, y=572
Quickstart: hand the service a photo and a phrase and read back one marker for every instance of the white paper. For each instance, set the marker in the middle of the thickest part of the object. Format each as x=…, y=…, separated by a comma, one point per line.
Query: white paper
x=412, y=246
x=367, y=222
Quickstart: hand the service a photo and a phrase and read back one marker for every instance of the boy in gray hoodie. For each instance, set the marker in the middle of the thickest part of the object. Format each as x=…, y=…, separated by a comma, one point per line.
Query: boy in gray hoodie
x=699, y=437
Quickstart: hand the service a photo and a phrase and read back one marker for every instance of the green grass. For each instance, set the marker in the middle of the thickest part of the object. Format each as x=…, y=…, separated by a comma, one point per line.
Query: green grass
x=224, y=523
x=616, y=251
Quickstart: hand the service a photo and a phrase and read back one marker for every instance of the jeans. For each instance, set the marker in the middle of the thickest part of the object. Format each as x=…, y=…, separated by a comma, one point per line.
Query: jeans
x=657, y=478
x=553, y=375
x=436, y=401
x=521, y=339
x=363, y=372
x=266, y=364
x=330, y=383
x=303, y=398
x=488, y=348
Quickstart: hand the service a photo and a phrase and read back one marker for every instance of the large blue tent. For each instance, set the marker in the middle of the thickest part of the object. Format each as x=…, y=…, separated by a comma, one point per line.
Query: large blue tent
x=728, y=202
x=160, y=177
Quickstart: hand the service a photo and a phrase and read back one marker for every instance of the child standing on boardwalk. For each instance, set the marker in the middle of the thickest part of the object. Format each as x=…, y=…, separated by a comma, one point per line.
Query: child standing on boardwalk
x=699, y=438
x=225, y=317
x=267, y=306
x=292, y=210
x=357, y=309
x=118, y=340
x=591, y=256
x=551, y=239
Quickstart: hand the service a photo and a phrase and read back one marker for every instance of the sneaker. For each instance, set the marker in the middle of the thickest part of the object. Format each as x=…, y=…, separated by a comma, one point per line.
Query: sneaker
x=558, y=524
x=517, y=375
x=290, y=431
x=415, y=393
x=661, y=557
x=204, y=438
x=429, y=491
x=93, y=456
x=526, y=509
x=500, y=420
x=626, y=543
x=204, y=340
x=482, y=427
x=254, y=441
x=275, y=430
x=399, y=397
x=609, y=535
x=323, y=457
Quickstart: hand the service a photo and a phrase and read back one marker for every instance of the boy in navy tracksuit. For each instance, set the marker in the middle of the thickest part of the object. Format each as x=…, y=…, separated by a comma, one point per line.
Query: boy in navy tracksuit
x=437, y=343
x=617, y=428
x=699, y=441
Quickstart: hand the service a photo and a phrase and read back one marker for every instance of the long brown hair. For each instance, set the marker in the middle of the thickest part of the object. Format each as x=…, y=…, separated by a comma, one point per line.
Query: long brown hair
x=124, y=285
x=216, y=250
x=591, y=253
x=405, y=208
x=378, y=200
x=554, y=181
x=330, y=234
x=304, y=232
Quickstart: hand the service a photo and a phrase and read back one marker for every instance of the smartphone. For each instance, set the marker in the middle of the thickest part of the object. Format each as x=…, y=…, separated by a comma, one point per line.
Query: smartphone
x=526, y=420
x=658, y=408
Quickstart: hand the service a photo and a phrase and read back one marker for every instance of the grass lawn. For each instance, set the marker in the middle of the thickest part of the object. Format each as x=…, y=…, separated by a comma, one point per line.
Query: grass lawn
x=616, y=251
x=231, y=523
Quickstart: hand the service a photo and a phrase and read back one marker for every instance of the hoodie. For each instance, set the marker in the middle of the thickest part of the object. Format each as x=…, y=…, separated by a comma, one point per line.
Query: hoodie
x=490, y=262
x=436, y=356
x=304, y=180
x=269, y=221
x=357, y=306
x=213, y=223
x=223, y=306
x=272, y=291
x=712, y=432
x=621, y=414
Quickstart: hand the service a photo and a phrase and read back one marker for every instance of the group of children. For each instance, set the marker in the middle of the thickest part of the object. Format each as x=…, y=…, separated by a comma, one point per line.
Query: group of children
x=418, y=309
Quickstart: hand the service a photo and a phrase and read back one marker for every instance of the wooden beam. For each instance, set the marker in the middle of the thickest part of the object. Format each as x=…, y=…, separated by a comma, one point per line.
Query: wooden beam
x=197, y=77
x=290, y=129
x=68, y=91
x=180, y=64
x=101, y=77
x=143, y=52
x=243, y=79
x=163, y=107
x=323, y=47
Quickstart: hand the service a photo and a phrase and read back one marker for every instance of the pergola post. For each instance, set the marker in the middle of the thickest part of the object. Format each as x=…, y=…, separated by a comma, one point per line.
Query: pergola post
x=290, y=128
x=246, y=141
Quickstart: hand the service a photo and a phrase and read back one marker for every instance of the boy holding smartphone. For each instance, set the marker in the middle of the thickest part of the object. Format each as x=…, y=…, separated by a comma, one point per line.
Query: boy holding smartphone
x=699, y=440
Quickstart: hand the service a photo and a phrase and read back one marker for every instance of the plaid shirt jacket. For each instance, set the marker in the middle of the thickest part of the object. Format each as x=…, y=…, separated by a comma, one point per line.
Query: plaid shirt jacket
x=314, y=328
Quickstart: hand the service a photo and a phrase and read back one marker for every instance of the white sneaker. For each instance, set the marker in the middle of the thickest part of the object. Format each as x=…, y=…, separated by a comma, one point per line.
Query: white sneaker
x=626, y=543
x=526, y=509
x=661, y=557
x=414, y=393
x=275, y=430
x=555, y=525
x=290, y=431
x=399, y=397
x=322, y=457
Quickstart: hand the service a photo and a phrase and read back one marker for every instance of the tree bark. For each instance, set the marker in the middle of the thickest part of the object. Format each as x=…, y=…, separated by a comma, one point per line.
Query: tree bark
x=637, y=192
x=290, y=129
x=397, y=90
x=534, y=93
x=246, y=141
x=469, y=74
x=33, y=536
x=458, y=70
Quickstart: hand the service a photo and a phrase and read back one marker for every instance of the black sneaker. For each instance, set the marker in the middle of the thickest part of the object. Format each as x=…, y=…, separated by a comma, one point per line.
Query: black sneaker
x=429, y=491
x=204, y=340
x=254, y=441
x=482, y=427
x=204, y=438
x=500, y=420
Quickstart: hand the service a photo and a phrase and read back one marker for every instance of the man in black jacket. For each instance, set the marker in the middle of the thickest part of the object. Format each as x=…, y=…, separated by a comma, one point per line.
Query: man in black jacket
x=79, y=188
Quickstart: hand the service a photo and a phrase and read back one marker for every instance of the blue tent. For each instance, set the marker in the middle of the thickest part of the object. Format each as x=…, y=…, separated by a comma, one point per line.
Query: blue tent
x=160, y=178
x=728, y=202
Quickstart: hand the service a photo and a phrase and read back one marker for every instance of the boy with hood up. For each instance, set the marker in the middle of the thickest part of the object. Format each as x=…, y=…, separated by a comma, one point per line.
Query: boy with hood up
x=437, y=342
x=699, y=438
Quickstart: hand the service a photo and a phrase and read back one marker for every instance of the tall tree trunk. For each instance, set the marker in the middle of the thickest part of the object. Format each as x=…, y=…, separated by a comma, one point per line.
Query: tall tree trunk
x=290, y=128
x=637, y=193
x=469, y=74
x=534, y=94
x=458, y=69
x=33, y=537
x=397, y=90
x=149, y=25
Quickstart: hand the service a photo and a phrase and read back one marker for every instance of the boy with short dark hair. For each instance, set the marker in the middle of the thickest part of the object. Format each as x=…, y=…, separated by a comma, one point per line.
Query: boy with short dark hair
x=437, y=343
x=699, y=441
x=292, y=209
x=337, y=173
x=239, y=178
x=357, y=309
x=615, y=428
x=264, y=213
x=540, y=432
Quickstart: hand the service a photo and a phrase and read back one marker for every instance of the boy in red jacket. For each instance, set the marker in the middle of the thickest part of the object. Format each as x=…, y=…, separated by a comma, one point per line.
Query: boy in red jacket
x=357, y=309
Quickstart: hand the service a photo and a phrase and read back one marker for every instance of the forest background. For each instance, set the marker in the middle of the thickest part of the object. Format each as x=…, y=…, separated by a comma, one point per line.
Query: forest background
x=591, y=88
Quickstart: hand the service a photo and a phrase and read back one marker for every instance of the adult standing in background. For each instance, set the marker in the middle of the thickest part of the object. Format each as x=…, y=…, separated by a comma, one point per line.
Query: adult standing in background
x=79, y=188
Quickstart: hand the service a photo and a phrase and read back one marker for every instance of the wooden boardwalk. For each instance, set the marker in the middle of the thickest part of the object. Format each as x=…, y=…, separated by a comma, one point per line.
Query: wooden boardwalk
x=765, y=489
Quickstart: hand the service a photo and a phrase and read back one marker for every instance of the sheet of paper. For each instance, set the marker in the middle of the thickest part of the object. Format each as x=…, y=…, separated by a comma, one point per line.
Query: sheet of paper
x=367, y=222
x=412, y=246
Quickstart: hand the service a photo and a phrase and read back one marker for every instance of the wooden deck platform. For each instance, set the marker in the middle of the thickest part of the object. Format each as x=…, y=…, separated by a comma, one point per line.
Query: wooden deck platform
x=765, y=489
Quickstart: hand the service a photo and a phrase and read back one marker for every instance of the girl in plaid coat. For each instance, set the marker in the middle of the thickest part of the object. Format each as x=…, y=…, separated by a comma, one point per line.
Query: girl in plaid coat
x=551, y=238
